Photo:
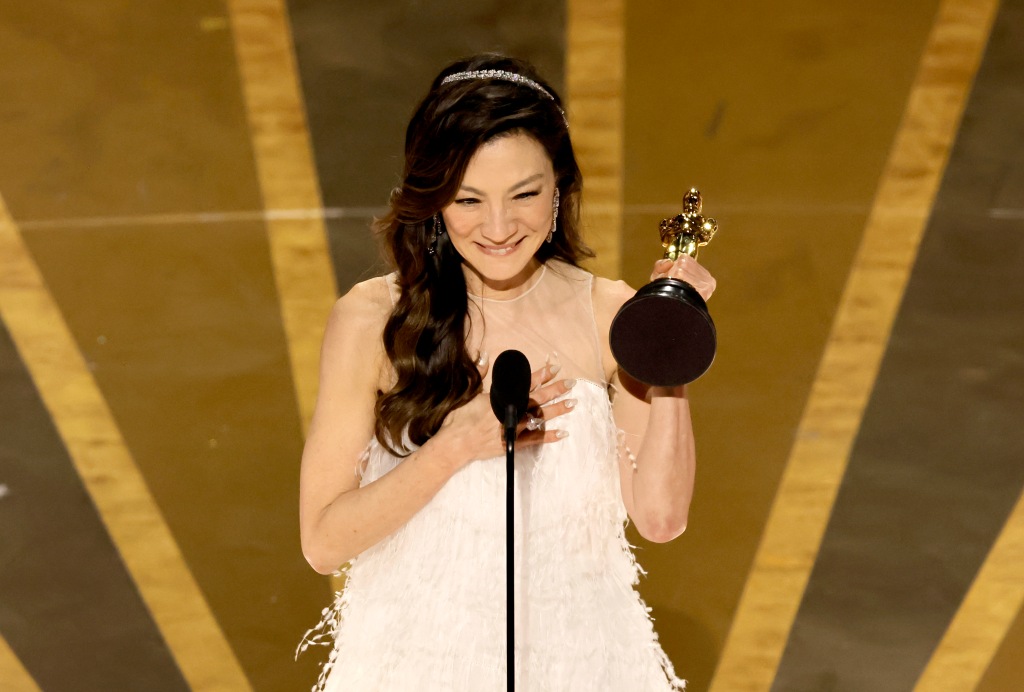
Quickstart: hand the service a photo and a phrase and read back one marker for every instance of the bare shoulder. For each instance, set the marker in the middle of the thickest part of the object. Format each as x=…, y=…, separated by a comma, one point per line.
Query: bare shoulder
x=354, y=329
x=366, y=305
x=609, y=295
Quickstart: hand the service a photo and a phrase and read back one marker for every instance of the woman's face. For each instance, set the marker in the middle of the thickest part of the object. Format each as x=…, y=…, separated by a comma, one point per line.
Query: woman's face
x=502, y=212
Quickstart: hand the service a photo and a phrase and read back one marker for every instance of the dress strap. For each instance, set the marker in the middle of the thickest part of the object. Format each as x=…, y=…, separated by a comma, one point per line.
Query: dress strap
x=594, y=331
x=391, y=280
x=584, y=288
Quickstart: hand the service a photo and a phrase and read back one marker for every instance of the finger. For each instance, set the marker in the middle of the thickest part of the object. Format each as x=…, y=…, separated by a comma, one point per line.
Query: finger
x=545, y=374
x=685, y=266
x=691, y=266
x=691, y=271
x=532, y=438
x=543, y=395
x=661, y=269
x=555, y=409
x=538, y=417
x=531, y=423
x=707, y=289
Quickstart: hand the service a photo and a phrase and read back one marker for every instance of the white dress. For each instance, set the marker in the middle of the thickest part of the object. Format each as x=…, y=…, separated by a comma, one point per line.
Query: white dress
x=424, y=609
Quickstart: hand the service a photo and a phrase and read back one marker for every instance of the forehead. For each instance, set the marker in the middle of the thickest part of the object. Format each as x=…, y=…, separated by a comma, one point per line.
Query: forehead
x=511, y=156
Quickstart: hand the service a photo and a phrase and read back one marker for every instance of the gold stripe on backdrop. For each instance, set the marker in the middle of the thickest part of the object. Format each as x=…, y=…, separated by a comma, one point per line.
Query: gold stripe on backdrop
x=288, y=180
x=108, y=471
x=13, y=676
x=595, y=83
x=849, y=365
x=985, y=615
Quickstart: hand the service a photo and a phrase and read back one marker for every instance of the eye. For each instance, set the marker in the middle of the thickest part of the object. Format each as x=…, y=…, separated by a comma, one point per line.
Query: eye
x=467, y=201
x=527, y=194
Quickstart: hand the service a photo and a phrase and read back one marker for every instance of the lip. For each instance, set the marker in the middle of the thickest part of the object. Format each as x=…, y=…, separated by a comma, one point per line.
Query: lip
x=499, y=250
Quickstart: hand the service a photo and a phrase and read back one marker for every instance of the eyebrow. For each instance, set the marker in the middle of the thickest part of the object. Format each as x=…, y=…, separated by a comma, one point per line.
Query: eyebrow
x=521, y=183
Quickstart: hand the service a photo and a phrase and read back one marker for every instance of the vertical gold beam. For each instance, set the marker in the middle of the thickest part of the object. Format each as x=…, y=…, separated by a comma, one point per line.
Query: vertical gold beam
x=595, y=84
x=985, y=615
x=850, y=363
x=108, y=471
x=298, y=247
x=13, y=676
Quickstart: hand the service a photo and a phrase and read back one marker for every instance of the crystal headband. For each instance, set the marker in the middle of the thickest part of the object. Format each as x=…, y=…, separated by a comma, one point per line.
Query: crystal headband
x=505, y=76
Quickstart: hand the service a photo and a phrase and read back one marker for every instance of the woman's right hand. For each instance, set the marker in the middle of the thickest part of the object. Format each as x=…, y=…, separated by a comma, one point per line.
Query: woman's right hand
x=472, y=432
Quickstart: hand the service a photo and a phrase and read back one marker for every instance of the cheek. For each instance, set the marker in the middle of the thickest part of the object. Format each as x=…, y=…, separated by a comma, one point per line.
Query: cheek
x=538, y=218
x=458, y=224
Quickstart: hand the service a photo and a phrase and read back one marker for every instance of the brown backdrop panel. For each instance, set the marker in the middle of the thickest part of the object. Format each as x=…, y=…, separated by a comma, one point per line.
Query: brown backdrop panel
x=936, y=467
x=784, y=120
x=1006, y=672
x=181, y=327
x=68, y=607
x=114, y=108
x=117, y=110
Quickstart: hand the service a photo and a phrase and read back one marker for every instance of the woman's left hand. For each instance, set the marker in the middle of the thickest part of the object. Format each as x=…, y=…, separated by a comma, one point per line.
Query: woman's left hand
x=689, y=270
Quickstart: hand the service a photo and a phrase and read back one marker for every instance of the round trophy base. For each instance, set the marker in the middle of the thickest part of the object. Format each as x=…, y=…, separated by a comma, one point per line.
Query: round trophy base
x=663, y=336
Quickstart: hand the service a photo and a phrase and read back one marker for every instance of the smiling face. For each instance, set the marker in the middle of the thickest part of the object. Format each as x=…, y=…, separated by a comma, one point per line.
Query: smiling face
x=502, y=213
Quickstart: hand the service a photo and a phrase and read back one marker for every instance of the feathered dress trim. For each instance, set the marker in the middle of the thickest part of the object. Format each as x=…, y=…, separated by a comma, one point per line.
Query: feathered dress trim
x=424, y=609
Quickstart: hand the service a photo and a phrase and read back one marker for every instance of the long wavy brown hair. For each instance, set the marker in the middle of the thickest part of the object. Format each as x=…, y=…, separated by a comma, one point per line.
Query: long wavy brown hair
x=425, y=336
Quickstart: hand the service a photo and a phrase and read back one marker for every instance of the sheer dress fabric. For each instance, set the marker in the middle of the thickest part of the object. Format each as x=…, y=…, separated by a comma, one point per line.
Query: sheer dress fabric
x=425, y=609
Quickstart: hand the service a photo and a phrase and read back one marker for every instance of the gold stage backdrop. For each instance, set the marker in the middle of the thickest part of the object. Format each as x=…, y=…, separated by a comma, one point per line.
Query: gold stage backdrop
x=186, y=186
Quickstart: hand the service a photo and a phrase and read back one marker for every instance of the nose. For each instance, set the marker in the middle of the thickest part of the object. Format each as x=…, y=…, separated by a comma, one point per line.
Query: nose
x=499, y=226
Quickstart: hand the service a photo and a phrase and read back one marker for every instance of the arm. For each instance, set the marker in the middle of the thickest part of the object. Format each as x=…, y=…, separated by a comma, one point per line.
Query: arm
x=656, y=423
x=338, y=518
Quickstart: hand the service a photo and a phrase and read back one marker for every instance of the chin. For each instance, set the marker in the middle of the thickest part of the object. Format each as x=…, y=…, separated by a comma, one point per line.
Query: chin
x=499, y=272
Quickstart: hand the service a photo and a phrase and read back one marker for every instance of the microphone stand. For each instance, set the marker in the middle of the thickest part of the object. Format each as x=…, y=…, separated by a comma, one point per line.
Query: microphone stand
x=510, y=536
x=510, y=396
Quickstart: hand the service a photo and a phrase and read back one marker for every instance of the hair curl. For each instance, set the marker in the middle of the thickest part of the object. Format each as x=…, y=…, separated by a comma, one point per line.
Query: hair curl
x=424, y=337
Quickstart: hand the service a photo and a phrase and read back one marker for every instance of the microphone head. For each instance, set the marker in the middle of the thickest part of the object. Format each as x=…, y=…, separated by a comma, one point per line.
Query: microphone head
x=510, y=383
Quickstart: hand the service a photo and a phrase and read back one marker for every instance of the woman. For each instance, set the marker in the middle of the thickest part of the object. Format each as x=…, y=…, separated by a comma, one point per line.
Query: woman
x=483, y=233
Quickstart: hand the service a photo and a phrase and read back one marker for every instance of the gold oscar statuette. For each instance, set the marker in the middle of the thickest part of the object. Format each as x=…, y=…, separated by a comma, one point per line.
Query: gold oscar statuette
x=664, y=336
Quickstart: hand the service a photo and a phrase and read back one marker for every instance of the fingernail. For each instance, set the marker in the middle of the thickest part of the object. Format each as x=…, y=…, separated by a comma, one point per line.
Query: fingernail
x=569, y=384
x=553, y=368
x=570, y=403
x=562, y=434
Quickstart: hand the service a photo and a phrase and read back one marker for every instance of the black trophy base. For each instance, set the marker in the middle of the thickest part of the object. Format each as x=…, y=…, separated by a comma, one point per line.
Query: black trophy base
x=663, y=336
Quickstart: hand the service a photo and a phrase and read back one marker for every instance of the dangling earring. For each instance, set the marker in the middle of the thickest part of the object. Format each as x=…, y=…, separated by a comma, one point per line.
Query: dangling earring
x=434, y=234
x=554, y=217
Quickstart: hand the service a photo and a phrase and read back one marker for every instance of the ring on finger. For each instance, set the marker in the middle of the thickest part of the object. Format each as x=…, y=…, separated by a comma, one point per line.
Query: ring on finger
x=534, y=423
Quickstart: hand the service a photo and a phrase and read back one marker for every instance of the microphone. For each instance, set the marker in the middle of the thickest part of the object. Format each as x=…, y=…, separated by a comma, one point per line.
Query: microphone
x=510, y=390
